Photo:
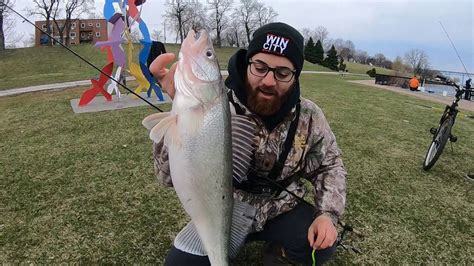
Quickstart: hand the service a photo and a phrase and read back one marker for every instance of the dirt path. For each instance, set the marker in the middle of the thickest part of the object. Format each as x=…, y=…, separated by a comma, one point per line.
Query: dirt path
x=463, y=104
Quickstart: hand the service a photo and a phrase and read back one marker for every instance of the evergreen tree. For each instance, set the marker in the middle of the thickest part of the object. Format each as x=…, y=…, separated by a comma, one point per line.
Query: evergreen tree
x=309, y=50
x=331, y=61
x=319, y=52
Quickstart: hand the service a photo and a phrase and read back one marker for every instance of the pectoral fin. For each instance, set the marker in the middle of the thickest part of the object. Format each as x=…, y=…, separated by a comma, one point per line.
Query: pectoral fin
x=166, y=129
x=152, y=120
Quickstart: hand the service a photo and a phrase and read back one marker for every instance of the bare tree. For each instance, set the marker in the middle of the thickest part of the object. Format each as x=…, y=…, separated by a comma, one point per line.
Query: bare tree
x=418, y=60
x=246, y=13
x=156, y=35
x=45, y=9
x=4, y=25
x=30, y=41
x=265, y=14
x=307, y=33
x=74, y=9
x=379, y=58
x=8, y=36
x=219, y=18
x=320, y=33
x=176, y=14
x=195, y=17
x=235, y=34
x=361, y=56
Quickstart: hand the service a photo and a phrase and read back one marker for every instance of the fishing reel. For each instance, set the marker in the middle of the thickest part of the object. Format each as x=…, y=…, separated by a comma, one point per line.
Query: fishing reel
x=342, y=240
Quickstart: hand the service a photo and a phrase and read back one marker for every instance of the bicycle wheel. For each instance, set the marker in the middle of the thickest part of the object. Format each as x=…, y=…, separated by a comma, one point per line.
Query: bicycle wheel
x=439, y=141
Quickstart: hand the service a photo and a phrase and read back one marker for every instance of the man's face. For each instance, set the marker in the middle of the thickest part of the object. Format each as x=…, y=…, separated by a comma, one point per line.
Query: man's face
x=265, y=94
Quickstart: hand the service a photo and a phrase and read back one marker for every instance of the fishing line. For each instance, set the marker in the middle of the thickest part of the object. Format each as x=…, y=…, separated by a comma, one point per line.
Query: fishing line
x=83, y=59
x=456, y=50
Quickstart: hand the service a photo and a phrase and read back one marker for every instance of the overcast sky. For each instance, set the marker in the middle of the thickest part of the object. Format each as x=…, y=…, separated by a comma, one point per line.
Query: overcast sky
x=389, y=27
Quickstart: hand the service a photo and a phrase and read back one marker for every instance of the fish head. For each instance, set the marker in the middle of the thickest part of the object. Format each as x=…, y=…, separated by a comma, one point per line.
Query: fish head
x=197, y=59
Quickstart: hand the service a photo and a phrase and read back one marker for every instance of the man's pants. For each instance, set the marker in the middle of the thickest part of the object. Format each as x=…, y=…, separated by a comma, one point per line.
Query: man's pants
x=289, y=230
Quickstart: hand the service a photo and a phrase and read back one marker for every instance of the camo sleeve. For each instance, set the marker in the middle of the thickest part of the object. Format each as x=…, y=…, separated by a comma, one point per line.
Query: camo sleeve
x=325, y=170
x=161, y=164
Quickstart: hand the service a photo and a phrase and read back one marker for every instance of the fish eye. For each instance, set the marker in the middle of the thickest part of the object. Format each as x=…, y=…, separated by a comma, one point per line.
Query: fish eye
x=209, y=54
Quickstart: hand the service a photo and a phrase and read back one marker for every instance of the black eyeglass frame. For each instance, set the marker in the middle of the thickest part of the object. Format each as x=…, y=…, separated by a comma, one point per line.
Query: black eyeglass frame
x=272, y=69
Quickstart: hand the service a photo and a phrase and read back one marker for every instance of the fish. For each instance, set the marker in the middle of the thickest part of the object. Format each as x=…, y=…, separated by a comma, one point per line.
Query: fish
x=197, y=134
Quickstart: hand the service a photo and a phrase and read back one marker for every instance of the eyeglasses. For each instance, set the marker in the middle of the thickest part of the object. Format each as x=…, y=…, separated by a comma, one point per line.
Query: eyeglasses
x=260, y=69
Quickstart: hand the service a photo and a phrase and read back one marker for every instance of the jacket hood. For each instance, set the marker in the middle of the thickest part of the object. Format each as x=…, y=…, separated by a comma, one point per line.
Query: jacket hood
x=237, y=69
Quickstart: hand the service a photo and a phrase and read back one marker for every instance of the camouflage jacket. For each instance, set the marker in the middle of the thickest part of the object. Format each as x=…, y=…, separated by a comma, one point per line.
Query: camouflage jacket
x=314, y=156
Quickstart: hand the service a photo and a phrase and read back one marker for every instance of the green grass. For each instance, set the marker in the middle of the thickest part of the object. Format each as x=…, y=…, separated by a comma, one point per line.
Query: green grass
x=362, y=69
x=315, y=67
x=44, y=65
x=80, y=188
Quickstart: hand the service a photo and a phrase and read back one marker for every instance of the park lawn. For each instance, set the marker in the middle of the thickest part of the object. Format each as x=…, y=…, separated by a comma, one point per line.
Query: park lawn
x=357, y=68
x=44, y=65
x=80, y=188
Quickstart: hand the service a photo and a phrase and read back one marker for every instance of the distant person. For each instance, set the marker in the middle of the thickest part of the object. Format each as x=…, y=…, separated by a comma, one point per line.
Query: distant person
x=467, y=94
x=413, y=84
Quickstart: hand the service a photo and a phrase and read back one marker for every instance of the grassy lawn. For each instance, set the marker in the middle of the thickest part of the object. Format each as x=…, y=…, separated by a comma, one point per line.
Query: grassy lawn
x=43, y=65
x=362, y=69
x=80, y=188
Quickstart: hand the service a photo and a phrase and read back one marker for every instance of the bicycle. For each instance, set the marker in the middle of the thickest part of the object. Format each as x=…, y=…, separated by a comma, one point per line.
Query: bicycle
x=443, y=132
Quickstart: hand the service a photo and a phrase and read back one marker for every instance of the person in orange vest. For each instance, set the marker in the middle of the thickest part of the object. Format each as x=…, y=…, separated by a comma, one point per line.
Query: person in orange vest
x=414, y=83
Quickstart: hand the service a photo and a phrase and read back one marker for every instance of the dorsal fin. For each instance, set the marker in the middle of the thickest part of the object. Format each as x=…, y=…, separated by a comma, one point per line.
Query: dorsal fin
x=243, y=145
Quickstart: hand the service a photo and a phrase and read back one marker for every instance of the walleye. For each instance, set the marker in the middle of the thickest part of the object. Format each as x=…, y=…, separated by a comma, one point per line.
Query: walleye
x=197, y=133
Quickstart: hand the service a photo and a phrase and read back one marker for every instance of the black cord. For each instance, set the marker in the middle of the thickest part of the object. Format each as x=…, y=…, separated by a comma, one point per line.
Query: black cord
x=83, y=59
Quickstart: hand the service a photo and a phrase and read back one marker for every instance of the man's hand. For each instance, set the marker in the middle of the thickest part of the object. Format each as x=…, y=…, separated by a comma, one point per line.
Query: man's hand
x=164, y=76
x=324, y=231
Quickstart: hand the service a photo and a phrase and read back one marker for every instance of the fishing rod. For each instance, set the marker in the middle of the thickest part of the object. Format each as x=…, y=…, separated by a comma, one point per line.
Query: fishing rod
x=100, y=70
x=456, y=50
x=82, y=58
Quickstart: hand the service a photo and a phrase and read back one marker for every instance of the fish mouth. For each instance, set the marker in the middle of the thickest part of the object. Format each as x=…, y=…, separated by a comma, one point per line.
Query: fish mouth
x=194, y=40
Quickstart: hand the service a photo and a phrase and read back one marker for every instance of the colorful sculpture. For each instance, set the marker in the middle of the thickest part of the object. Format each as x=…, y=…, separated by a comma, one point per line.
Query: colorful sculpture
x=117, y=15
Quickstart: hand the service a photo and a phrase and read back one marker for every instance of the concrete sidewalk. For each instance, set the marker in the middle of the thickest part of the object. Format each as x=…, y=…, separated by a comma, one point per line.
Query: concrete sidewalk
x=48, y=87
x=448, y=100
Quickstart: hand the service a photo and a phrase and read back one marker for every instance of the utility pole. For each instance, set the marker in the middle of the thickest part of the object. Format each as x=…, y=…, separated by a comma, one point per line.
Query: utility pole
x=164, y=30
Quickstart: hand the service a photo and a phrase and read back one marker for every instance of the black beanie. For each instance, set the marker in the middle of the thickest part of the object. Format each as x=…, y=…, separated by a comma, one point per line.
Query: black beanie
x=280, y=39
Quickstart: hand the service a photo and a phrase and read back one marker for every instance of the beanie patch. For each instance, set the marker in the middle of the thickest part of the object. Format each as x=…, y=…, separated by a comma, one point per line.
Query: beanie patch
x=275, y=44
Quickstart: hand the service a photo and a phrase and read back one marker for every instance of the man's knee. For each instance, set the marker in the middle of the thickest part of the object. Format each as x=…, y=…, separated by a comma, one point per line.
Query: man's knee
x=177, y=257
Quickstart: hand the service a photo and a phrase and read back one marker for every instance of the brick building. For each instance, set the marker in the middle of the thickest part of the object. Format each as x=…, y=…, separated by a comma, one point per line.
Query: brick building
x=82, y=31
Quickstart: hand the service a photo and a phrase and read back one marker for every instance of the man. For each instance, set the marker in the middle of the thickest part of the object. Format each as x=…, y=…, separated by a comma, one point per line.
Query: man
x=468, y=93
x=263, y=83
x=414, y=83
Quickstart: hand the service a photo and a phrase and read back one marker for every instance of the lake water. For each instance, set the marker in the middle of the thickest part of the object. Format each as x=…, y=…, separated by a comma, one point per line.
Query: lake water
x=439, y=89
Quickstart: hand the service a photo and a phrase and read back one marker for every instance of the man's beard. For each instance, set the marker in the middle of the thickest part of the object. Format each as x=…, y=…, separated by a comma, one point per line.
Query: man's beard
x=265, y=107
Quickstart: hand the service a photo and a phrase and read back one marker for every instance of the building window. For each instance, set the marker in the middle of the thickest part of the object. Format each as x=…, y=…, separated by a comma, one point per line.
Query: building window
x=73, y=25
x=97, y=34
x=83, y=25
x=97, y=25
x=72, y=34
x=91, y=24
x=73, y=42
x=43, y=26
x=83, y=35
x=90, y=33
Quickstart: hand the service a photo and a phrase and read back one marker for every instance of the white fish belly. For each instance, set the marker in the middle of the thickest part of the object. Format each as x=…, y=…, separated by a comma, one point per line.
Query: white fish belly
x=201, y=169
